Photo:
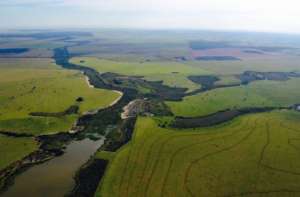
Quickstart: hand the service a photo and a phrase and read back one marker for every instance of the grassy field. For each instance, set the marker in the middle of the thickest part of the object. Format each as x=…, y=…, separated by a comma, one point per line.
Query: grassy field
x=255, y=155
x=174, y=80
x=227, y=80
x=175, y=74
x=170, y=72
x=256, y=94
x=13, y=149
x=276, y=64
x=44, y=88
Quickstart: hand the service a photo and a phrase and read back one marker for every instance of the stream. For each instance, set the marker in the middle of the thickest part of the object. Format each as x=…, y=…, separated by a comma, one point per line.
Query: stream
x=54, y=178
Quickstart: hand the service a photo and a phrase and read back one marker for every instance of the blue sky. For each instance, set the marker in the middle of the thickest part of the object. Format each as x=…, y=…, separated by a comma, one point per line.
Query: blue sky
x=250, y=15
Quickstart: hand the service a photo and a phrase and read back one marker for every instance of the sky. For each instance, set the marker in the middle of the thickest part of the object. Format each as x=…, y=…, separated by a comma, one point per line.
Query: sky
x=245, y=15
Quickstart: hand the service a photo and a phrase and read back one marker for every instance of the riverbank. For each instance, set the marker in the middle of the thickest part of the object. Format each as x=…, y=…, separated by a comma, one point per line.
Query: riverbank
x=110, y=105
x=54, y=177
x=52, y=146
x=118, y=99
x=47, y=149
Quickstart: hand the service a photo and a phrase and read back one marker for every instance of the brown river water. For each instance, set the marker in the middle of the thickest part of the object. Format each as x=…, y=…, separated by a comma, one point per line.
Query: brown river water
x=54, y=178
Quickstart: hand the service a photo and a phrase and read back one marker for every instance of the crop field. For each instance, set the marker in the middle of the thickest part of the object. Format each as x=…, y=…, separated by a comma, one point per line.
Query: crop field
x=256, y=94
x=40, y=89
x=13, y=149
x=255, y=155
x=170, y=72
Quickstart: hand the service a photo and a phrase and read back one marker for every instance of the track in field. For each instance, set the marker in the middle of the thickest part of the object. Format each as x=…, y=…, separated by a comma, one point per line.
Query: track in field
x=152, y=167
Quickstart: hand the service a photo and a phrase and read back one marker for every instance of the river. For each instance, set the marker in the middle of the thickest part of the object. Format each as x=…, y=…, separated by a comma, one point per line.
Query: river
x=54, y=178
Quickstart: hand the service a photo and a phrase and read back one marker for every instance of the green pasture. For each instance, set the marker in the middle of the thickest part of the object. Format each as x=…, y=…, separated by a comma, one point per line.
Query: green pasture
x=256, y=94
x=13, y=149
x=227, y=80
x=255, y=155
x=27, y=63
x=49, y=89
x=170, y=72
x=276, y=64
x=174, y=80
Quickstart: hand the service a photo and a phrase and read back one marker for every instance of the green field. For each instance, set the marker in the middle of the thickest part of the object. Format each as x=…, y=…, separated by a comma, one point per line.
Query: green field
x=255, y=155
x=170, y=72
x=44, y=87
x=256, y=94
x=13, y=149
x=175, y=74
x=174, y=80
x=276, y=64
x=227, y=80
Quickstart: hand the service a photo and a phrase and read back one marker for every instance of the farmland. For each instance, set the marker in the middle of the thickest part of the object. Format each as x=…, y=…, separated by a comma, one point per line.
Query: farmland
x=172, y=73
x=258, y=94
x=149, y=113
x=40, y=89
x=252, y=155
x=275, y=64
x=13, y=149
